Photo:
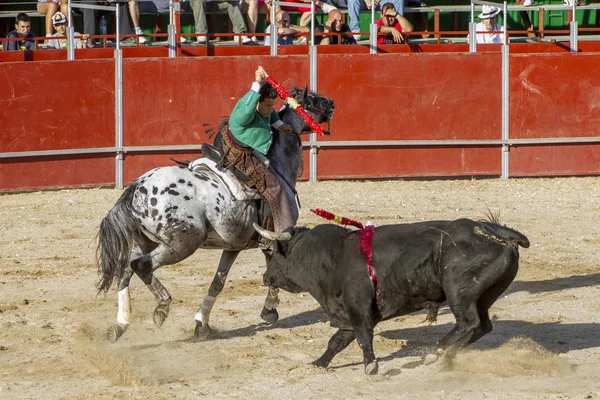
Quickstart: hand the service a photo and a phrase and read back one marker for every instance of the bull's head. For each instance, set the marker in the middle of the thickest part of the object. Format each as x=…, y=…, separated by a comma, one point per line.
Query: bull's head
x=280, y=268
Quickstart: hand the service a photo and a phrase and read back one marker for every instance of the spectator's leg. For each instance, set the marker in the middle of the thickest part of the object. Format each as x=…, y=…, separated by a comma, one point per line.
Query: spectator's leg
x=89, y=21
x=235, y=16
x=354, y=7
x=305, y=19
x=199, y=18
x=64, y=7
x=49, y=9
x=124, y=25
x=252, y=15
x=134, y=11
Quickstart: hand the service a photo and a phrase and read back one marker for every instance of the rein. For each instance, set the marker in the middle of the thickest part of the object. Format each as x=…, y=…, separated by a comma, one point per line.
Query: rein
x=366, y=244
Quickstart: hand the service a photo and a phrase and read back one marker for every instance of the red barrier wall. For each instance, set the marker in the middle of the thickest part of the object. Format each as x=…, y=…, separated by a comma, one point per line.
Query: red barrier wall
x=67, y=105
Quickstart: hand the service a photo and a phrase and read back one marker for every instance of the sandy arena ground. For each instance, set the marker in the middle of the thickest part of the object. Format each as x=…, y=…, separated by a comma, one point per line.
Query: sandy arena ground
x=545, y=343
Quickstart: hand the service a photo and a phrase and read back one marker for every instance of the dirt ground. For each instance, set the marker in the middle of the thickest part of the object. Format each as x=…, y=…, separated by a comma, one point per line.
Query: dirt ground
x=545, y=343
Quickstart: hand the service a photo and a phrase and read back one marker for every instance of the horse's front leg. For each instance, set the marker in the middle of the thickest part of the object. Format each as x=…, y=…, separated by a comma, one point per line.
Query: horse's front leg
x=202, y=330
x=269, y=312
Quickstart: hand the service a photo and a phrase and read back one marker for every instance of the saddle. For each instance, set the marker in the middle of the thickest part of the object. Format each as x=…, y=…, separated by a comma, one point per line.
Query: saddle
x=234, y=180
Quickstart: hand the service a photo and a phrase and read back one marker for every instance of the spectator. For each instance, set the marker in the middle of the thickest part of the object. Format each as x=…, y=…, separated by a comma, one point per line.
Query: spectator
x=488, y=30
x=393, y=25
x=59, y=21
x=23, y=32
x=49, y=8
x=89, y=19
x=355, y=6
x=285, y=31
x=235, y=15
x=333, y=24
x=525, y=17
x=134, y=13
x=305, y=17
x=255, y=7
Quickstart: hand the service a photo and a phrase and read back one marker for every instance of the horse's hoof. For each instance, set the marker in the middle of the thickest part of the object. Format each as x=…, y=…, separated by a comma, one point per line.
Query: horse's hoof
x=115, y=332
x=202, y=332
x=270, y=316
x=161, y=312
x=372, y=368
x=431, y=358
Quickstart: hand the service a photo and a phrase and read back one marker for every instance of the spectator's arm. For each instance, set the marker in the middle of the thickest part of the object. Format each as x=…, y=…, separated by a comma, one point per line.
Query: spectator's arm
x=398, y=38
x=404, y=23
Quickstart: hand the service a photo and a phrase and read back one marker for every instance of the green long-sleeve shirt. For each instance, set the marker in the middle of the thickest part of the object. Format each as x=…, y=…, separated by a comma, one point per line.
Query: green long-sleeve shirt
x=248, y=126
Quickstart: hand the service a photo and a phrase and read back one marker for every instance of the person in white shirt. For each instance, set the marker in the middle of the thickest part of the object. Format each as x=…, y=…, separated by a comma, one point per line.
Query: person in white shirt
x=488, y=30
x=58, y=40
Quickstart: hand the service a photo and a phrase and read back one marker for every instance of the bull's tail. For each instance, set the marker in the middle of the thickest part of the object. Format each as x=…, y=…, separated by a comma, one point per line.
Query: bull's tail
x=508, y=235
x=115, y=240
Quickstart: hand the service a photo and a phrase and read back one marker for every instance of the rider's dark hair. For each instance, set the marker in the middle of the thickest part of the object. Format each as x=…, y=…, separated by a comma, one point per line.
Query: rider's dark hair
x=267, y=91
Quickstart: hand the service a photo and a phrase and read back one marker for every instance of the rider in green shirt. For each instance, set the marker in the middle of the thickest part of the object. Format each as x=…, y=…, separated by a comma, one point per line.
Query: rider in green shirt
x=250, y=128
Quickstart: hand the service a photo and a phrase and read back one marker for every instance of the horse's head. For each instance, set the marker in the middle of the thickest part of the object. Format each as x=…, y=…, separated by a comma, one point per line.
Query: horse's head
x=319, y=107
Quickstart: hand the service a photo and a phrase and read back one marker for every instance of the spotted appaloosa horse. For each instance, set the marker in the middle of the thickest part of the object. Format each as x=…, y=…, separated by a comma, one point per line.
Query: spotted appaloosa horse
x=168, y=213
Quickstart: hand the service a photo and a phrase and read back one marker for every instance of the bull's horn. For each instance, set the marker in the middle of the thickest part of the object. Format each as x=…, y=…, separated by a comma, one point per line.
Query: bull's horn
x=284, y=236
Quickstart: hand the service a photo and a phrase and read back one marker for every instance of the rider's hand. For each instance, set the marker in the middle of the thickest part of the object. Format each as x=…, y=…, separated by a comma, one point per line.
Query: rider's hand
x=260, y=75
x=285, y=128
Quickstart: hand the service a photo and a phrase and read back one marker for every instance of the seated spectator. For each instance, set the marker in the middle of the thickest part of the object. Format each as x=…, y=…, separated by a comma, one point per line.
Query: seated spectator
x=234, y=13
x=488, y=30
x=89, y=19
x=355, y=7
x=49, y=8
x=305, y=17
x=23, y=32
x=255, y=7
x=134, y=13
x=59, y=21
x=285, y=31
x=393, y=25
x=333, y=25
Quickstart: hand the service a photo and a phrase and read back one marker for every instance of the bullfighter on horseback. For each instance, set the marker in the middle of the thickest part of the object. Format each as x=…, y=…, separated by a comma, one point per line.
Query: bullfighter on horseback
x=249, y=129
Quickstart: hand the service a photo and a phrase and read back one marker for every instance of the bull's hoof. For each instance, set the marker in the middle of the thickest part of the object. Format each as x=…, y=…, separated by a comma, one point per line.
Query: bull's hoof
x=320, y=363
x=115, y=332
x=202, y=332
x=372, y=368
x=161, y=312
x=270, y=316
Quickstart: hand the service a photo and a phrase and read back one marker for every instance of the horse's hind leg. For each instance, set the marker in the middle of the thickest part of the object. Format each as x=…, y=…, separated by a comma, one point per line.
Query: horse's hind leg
x=202, y=330
x=143, y=264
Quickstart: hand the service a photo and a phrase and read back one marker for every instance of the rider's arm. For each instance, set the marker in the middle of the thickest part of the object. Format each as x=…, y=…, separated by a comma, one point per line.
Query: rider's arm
x=245, y=109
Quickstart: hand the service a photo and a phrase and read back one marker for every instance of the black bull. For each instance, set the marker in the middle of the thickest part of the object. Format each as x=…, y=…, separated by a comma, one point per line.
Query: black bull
x=467, y=263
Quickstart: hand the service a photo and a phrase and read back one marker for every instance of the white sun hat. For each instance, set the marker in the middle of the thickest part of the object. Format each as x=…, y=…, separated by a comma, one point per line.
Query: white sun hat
x=488, y=12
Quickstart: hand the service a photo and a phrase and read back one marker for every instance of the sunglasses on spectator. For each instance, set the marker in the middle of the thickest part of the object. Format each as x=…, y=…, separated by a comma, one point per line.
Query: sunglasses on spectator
x=283, y=19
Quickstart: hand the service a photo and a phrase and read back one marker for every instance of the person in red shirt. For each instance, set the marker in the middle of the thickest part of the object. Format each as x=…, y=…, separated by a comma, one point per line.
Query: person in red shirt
x=393, y=25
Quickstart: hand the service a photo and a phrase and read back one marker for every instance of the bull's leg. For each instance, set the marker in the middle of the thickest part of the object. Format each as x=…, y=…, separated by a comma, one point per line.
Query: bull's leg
x=467, y=323
x=363, y=330
x=338, y=342
x=202, y=330
x=269, y=312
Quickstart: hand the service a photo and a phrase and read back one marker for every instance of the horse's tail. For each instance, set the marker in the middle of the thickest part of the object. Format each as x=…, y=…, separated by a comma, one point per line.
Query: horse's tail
x=115, y=240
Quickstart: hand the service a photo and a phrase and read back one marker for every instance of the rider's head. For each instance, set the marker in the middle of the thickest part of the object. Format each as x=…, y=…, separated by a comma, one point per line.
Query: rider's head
x=266, y=103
